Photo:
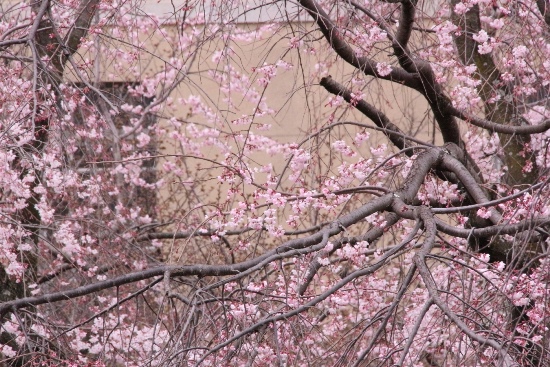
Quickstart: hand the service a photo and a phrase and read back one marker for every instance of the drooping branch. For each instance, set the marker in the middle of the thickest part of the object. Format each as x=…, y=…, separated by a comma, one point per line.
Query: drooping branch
x=427, y=218
x=486, y=204
x=392, y=131
x=316, y=300
x=412, y=334
x=408, y=279
x=46, y=50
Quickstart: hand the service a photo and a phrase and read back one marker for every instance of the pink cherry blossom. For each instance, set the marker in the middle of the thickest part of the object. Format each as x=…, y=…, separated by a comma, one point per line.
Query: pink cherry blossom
x=259, y=183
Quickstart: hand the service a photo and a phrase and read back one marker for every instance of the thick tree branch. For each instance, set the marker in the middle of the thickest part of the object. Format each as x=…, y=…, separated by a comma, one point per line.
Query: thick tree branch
x=346, y=52
x=427, y=277
x=242, y=268
x=498, y=127
x=422, y=165
x=370, y=236
x=404, y=31
x=419, y=75
x=452, y=164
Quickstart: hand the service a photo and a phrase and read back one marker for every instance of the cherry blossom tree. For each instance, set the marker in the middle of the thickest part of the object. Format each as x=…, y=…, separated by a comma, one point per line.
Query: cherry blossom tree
x=369, y=189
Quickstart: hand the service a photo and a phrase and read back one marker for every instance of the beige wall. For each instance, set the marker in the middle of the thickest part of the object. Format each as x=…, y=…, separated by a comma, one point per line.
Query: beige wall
x=288, y=92
x=298, y=99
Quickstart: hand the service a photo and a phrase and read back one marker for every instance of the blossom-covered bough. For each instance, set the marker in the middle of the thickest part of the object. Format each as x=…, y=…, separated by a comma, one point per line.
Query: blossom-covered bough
x=250, y=183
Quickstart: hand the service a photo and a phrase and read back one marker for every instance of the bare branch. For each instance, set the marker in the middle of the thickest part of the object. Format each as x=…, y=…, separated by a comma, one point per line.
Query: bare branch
x=393, y=132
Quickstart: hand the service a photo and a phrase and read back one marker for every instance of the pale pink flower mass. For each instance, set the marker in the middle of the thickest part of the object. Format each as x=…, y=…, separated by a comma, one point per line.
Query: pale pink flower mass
x=274, y=183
